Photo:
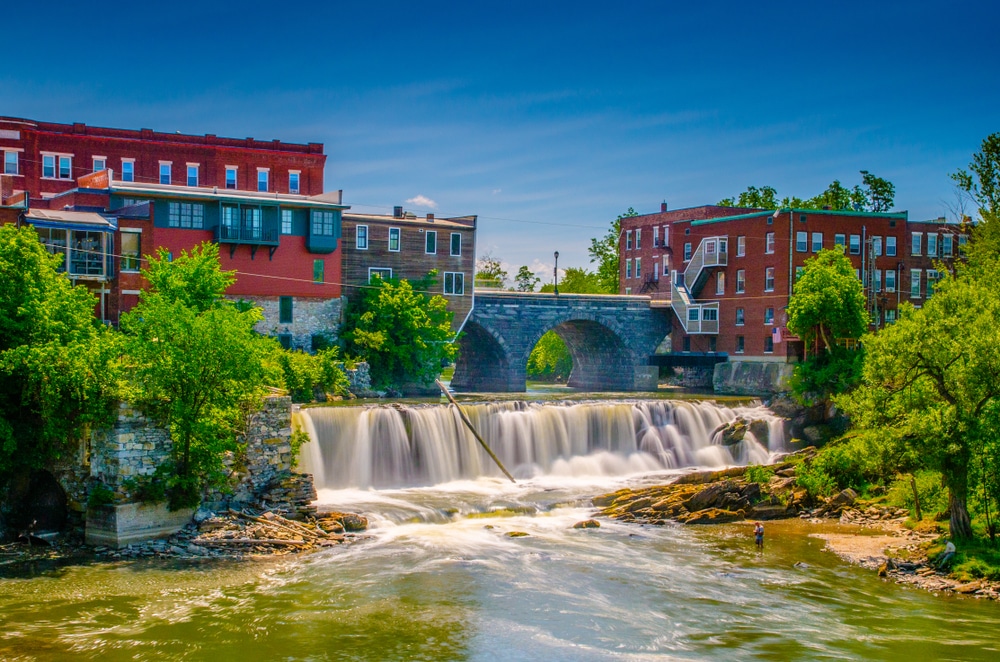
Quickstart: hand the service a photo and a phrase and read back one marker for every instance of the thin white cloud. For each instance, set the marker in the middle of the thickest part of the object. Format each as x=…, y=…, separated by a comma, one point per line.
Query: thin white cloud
x=496, y=191
x=422, y=201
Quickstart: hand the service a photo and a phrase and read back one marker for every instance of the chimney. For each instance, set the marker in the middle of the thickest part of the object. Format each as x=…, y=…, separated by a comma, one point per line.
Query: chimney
x=663, y=207
x=397, y=212
x=430, y=218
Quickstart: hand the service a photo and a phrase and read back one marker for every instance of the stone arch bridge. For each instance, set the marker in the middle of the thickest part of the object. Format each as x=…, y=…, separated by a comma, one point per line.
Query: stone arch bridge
x=610, y=338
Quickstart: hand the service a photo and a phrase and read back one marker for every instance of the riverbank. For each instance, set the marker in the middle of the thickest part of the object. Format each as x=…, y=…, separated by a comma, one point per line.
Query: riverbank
x=873, y=537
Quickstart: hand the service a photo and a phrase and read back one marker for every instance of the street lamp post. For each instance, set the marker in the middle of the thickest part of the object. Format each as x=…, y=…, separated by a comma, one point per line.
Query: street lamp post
x=555, y=274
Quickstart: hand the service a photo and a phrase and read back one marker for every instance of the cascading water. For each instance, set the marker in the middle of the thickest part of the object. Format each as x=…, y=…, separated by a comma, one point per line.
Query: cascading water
x=402, y=446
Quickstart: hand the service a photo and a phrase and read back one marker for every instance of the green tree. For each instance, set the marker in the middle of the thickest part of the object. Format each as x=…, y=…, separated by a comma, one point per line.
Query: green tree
x=982, y=186
x=932, y=380
x=604, y=252
x=828, y=303
x=879, y=194
x=549, y=359
x=57, y=364
x=403, y=334
x=576, y=280
x=195, y=365
x=526, y=280
x=490, y=270
x=764, y=197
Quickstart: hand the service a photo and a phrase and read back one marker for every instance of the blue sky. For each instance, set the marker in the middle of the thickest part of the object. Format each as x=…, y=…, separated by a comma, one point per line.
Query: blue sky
x=545, y=119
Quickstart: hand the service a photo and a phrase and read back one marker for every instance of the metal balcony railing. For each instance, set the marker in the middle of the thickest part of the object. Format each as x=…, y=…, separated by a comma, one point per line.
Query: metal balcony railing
x=235, y=234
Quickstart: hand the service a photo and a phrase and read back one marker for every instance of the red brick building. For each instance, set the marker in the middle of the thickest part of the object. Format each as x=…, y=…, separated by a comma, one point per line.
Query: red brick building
x=728, y=273
x=262, y=202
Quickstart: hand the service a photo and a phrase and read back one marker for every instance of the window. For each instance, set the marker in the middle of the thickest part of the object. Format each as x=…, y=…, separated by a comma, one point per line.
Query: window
x=10, y=163
x=798, y=273
x=638, y=267
x=712, y=343
x=361, y=238
x=947, y=245
x=890, y=280
x=131, y=250
x=628, y=240
x=693, y=314
x=687, y=344
x=890, y=316
x=431, y=242
x=840, y=240
x=318, y=267
x=666, y=235
x=963, y=240
x=100, y=163
x=739, y=344
x=285, y=340
x=768, y=344
x=284, y=310
x=324, y=224
x=915, y=242
x=741, y=281
x=393, y=240
x=720, y=283
x=817, y=242
x=164, y=173
x=286, y=221
x=65, y=167
x=253, y=226
x=801, y=242
x=666, y=266
x=454, y=282
x=914, y=283
x=231, y=177
x=741, y=246
x=769, y=316
x=932, y=244
x=769, y=242
x=628, y=268
x=877, y=245
x=710, y=314
x=890, y=246
x=262, y=175
x=48, y=166
x=769, y=279
x=128, y=171
x=656, y=236
x=803, y=218
x=192, y=175
x=687, y=251
x=186, y=215
x=878, y=280
x=855, y=244
x=932, y=278
x=740, y=317
x=638, y=239
x=293, y=182
x=456, y=244
x=382, y=273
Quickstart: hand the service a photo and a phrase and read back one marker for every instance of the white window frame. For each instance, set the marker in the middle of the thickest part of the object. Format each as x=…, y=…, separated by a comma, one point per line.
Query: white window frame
x=816, y=236
x=298, y=181
x=266, y=172
x=932, y=244
x=769, y=316
x=840, y=239
x=769, y=275
x=454, y=283
x=802, y=242
x=17, y=161
x=131, y=173
x=638, y=238
x=638, y=267
x=741, y=281
x=95, y=159
x=399, y=240
x=286, y=221
x=890, y=288
x=628, y=240
x=656, y=236
x=666, y=235
x=947, y=245
x=720, y=283
x=854, y=244
x=68, y=158
x=741, y=317
x=427, y=240
x=170, y=172
x=916, y=244
x=890, y=246
x=451, y=245
x=236, y=177
x=628, y=268
x=768, y=243
x=877, y=245
x=688, y=251
x=741, y=246
x=915, y=281
x=197, y=174
x=138, y=258
x=740, y=345
x=361, y=237
x=379, y=270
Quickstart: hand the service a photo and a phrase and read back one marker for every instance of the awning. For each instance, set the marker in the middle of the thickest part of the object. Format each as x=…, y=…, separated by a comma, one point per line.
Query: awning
x=69, y=220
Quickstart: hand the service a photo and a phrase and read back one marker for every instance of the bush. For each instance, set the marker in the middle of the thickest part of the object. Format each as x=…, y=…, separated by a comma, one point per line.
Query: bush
x=857, y=461
x=304, y=374
x=933, y=496
x=758, y=473
x=100, y=495
x=814, y=480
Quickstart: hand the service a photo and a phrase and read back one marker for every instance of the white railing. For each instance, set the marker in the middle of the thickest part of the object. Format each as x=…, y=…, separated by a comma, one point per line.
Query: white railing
x=712, y=252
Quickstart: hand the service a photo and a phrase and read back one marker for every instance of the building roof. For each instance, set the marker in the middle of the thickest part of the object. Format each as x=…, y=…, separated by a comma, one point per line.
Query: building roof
x=784, y=210
x=322, y=201
x=73, y=220
x=464, y=222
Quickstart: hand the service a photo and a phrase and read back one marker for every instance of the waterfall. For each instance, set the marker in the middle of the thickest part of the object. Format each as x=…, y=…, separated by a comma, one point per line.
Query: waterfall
x=400, y=446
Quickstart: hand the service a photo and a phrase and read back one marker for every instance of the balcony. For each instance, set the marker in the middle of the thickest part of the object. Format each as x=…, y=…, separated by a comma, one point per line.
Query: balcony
x=699, y=317
x=251, y=235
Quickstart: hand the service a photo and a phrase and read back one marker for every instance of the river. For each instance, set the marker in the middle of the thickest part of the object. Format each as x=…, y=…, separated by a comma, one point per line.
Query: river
x=438, y=578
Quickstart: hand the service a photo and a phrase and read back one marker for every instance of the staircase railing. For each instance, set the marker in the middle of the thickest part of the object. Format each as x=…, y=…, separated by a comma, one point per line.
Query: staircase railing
x=712, y=252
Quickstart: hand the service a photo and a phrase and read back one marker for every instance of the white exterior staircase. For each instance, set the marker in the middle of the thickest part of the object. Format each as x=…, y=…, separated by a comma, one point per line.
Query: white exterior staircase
x=698, y=317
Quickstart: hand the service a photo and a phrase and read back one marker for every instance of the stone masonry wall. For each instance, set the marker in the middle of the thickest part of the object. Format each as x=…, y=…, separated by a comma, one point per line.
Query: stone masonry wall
x=310, y=316
x=133, y=447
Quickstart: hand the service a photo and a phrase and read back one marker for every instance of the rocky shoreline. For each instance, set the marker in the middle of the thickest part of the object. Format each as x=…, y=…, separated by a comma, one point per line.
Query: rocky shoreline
x=718, y=497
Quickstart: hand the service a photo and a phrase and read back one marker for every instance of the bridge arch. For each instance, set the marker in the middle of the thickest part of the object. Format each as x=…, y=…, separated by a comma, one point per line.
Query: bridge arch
x=610, y=339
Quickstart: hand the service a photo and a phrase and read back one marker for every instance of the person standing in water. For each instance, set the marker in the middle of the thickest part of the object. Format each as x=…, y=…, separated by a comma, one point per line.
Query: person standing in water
x=758, y=535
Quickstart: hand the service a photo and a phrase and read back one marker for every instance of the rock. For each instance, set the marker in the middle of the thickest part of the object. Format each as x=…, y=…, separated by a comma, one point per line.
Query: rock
x=712, y=516
x=883, y=570
x=516, y=534
x=734, y=432
x=202, y=514
x=350, y=521
x=701, y=477
x=971, y=587
x=587, y=524
x=814, y=434
x=761, y=431
x=605, y=500
x=845, y=498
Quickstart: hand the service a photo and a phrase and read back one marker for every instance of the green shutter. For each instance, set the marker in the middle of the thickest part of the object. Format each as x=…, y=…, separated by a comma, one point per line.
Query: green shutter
x=318, y=271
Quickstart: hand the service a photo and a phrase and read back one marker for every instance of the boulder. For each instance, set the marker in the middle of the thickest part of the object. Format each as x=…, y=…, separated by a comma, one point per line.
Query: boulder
x=727, y=495
x=587, y=524
x=516, y=534
x=761, y=431
x=712, y=516
x=349, y=521
x=845, y=498
x=734, y=432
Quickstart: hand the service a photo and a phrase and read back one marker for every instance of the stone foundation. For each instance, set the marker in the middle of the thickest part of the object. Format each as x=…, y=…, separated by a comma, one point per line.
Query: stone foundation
x=751, y=377
x=311, y=316
x=119, y=525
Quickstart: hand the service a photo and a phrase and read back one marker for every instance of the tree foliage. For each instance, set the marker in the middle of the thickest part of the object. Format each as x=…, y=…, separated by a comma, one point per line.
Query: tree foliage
x=828, y=301
x=489, y=269
x=194, y=364
x=873, y=194
x=576, y=280
x=57, y=365
x=550, y=359
x=403, y=334
x=526, y=280
x=604, y=251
